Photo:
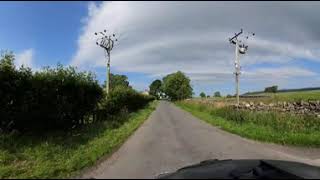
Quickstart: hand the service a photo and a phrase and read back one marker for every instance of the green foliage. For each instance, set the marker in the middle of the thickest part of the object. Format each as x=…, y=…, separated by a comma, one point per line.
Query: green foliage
x=278, y=121
x=123, y=98
x=117, y=80
x=272, y=89
x=56, y=109
x=155, y=88
x=61, y=154
x=7, y=60
x=229, y=96
x=282, y=128
x=217, y=94
x=177, y=86
x=51, y=99
x=202, y=95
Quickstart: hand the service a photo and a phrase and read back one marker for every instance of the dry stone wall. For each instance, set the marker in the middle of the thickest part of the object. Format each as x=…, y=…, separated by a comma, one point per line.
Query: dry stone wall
x=302, y=107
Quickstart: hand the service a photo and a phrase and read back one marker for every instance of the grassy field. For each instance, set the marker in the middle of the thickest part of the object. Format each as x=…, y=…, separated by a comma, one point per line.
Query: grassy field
x=272, y=97
x=272, y=127
x=294, y=96
x=62, y=155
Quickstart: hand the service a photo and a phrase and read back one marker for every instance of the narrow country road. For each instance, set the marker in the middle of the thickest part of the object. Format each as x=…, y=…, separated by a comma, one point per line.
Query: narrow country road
x=172, y=138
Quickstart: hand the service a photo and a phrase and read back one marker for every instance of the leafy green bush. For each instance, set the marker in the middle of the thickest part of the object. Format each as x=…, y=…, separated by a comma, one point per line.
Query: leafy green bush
x=124, y=98
x=59, y=98
x=51, y=99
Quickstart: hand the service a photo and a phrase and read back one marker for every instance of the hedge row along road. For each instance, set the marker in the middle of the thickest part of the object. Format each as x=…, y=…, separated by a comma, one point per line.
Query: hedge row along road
x=172, y=138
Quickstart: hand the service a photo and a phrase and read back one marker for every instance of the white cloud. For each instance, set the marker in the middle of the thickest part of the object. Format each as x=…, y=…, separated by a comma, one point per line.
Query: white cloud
x=258, y=74
x=282, y=72
x=162, y=37
x=25, y=58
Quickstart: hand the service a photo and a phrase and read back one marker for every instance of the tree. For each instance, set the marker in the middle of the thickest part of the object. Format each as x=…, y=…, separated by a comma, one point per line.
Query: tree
x=229, y=96
x=7, y=60
x=155, y=88
x=274, y=89
x=177, y=86
x=202, y=95
x=208, y=96
x=118, y=80
x=217, y=94
x=271, y=89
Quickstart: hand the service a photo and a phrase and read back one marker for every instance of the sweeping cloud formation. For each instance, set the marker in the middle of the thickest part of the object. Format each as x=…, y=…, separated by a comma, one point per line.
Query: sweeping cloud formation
x=163, y=37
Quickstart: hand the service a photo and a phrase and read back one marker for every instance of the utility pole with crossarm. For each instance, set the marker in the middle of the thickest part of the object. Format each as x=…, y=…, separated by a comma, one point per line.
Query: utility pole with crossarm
x=106, y=42
x=242, y=49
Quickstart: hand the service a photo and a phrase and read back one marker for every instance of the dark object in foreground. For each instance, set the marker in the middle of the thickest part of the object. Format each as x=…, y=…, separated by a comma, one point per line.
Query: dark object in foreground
x=245, y=169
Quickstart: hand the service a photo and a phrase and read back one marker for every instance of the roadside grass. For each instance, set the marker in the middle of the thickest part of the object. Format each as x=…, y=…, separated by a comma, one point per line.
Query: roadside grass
x=62, y=155
x=271, y=127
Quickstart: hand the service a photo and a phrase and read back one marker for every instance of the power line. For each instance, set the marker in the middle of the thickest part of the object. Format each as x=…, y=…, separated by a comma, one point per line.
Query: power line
x=106, y=42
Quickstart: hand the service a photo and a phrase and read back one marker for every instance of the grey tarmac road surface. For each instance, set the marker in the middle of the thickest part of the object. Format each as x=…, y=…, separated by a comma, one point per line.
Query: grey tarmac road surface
x=172, y=138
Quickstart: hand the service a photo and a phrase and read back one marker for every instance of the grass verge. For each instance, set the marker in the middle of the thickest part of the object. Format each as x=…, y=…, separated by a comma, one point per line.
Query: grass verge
x=260, y=128
x=62, y=155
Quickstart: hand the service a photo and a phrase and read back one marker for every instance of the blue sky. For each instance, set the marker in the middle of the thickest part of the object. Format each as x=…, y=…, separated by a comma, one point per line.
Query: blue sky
x=158, y=38
x=51, y=29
